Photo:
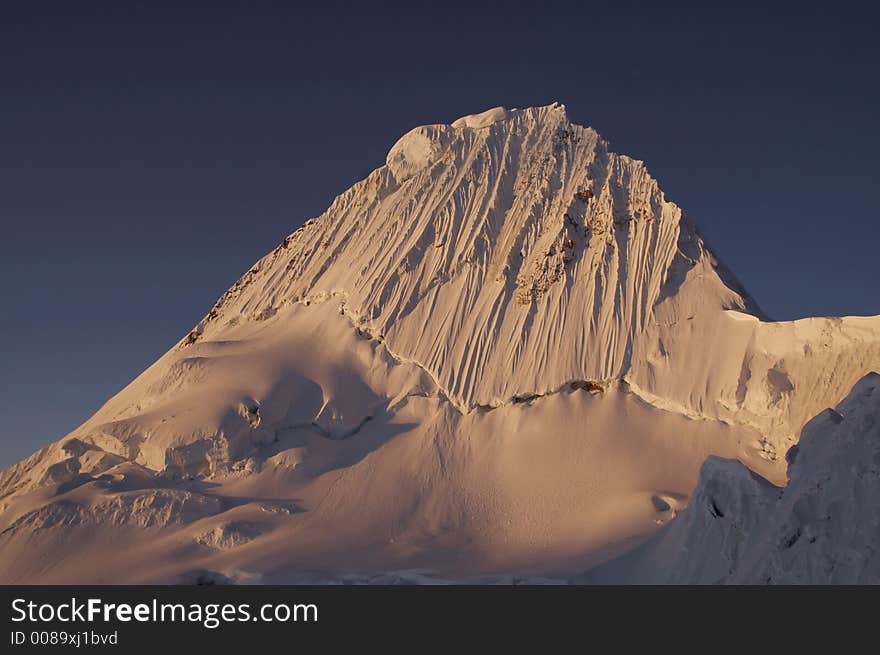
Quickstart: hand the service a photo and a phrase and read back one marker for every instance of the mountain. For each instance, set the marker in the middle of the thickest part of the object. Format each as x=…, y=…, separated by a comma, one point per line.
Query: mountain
x=504, y=352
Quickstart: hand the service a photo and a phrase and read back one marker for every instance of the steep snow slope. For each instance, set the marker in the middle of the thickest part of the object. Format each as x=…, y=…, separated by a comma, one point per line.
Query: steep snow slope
x=821, y=528
x=508, y=255
x=504, y=350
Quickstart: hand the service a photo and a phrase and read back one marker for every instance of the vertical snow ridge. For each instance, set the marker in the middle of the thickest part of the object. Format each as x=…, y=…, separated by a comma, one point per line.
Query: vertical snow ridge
x=507, y=257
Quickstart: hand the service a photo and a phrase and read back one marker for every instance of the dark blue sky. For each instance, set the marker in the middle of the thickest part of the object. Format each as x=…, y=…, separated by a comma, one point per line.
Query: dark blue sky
x=150, y=152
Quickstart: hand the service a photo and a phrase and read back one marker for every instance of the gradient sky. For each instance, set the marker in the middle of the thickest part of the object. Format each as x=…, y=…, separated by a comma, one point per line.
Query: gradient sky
x=150, y=152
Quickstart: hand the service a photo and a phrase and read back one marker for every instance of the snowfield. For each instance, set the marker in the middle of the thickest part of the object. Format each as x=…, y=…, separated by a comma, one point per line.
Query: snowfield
x=502, y=356
x=821, y=528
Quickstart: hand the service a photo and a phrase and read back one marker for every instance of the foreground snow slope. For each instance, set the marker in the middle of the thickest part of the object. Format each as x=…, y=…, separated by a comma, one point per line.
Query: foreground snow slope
x=504, y=350
x=822, y=528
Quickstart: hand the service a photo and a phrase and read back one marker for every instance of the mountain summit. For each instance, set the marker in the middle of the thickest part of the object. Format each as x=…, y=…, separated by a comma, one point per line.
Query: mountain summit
x=504, y=351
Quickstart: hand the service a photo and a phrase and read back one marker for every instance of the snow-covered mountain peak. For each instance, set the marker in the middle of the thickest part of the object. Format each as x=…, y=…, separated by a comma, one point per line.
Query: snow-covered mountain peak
x=498, y=213
x=422, y=146
x=554, y=111
x=506, y=339
x=483, y=119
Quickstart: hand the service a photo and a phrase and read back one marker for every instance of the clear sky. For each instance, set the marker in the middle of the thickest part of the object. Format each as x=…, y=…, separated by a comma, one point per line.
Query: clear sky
x=150, y=152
